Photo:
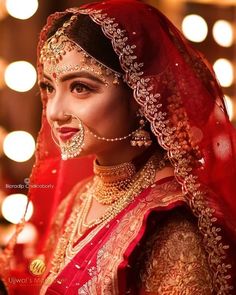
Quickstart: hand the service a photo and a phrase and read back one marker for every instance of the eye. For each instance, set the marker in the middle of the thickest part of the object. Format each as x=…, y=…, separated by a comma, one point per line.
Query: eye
x=79, y=87
x=45, y=86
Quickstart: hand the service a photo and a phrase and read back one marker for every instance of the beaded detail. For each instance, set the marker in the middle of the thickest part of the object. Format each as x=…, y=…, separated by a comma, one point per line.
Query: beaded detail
x=76, y=224
x=59, y=44
x=72, y=147
x=111, y=182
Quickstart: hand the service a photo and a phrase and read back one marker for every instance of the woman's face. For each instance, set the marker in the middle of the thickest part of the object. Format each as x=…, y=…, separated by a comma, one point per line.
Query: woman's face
x=78, y=87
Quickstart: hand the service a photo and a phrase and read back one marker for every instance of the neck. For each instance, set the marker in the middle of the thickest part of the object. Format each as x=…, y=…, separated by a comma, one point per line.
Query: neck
x=111, y=182
x=120, y=156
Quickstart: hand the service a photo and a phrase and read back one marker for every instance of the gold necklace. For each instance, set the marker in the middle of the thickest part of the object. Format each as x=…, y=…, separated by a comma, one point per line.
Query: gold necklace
x=111, y=182
x=65, y=250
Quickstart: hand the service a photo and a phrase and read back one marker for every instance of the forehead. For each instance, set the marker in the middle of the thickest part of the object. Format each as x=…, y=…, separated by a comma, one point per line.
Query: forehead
x=71, y=61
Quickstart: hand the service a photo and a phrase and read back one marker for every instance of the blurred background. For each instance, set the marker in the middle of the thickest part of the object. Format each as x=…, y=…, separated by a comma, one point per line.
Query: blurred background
x=209, y=25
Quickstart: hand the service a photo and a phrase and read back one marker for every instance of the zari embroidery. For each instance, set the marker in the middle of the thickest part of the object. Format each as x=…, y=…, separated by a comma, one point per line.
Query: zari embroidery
x=176, y=261
x=163, y=129
x=58, y=222
x=109, y=257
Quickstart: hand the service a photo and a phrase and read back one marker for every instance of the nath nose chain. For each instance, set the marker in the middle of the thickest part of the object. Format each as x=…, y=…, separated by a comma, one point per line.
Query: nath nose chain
x=72, y=147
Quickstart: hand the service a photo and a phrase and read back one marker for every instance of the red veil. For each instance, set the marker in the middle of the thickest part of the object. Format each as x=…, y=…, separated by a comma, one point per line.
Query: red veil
x=181, y=98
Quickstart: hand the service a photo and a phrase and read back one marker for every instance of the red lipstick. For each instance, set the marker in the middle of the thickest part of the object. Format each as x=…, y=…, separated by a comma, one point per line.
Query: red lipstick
x=65, y=133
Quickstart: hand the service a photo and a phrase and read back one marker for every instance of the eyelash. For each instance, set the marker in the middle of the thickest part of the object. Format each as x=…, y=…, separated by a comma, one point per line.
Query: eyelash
x=84, y=86
x=45, y=86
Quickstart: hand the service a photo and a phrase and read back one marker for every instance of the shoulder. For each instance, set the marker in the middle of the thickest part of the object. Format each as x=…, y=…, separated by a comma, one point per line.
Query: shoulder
x=176, y=260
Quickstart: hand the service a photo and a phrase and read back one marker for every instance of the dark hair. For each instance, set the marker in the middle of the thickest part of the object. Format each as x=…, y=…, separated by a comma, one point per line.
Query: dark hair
x=87, y=34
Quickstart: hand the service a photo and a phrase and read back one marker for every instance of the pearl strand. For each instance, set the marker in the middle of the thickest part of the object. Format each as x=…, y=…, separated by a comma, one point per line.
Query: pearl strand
x=143, y=179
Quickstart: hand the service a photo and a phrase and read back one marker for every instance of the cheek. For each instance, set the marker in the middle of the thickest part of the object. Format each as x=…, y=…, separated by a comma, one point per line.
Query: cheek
x=47, y=111
x=104, y=108
x=102, y=116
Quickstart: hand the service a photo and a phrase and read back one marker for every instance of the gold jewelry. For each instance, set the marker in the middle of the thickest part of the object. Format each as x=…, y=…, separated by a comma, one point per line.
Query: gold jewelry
x=114, y=138
x=111, y=182
x=76, y=224
x=57, y=71
x=59, y=44
x=56, y=46
x=102, y=138
x=141, y=137
x=141, y=180
x=73, y=147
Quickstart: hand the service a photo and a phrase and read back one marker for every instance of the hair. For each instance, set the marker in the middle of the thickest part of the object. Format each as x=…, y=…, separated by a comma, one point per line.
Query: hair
x=89, y=36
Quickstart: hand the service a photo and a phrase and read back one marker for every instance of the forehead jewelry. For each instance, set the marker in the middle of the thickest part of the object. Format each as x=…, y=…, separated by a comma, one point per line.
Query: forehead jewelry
x=59, y=44
x=57, y=71
x=54, y=48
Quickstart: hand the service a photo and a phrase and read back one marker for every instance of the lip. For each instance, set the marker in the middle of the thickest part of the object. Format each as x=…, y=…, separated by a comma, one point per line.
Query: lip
x=65, y=133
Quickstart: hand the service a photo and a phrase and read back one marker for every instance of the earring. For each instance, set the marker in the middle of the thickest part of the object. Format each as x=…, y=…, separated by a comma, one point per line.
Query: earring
x=141, y=137
x=116, y=80
x=73, y=147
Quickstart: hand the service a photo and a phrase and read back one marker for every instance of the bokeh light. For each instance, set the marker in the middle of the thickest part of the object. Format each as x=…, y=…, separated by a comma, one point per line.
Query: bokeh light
x=2, y=197
x=3, y=134
x=28, y=234
x=3, y=10
x=229, y=106
x=194, y=28
x=224, y=72
x=223, y=33
x=22, y=9
x=3, y=65
x=19, y=146
x=14, y=206
x=20, y=76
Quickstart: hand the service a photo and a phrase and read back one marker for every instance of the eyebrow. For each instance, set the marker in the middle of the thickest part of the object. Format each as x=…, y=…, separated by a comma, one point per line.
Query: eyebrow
x=70, y=76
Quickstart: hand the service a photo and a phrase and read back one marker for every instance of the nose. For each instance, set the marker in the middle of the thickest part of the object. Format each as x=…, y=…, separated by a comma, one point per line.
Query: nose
x=56, y=109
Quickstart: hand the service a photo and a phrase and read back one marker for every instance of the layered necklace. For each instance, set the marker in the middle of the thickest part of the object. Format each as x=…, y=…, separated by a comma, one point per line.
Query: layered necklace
x=111, y=182
x=116, y=186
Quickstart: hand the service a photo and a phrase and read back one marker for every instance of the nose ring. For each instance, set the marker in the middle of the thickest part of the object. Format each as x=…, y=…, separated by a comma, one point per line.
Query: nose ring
x=66, y=115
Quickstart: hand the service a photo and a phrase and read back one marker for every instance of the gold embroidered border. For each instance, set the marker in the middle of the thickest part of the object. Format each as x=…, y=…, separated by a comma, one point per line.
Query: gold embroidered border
x=56, y=269
x=150, y=102
x=104, y=275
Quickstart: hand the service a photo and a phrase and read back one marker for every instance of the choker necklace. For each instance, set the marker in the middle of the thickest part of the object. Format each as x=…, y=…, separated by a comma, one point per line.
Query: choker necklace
x=111, y=182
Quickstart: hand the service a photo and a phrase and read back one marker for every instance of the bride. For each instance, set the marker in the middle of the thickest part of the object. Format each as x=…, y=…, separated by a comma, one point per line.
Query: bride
x=141, y=155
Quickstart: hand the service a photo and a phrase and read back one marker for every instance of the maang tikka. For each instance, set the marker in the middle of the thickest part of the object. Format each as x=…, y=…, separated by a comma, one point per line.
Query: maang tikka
x=141, y=137
x=73, y=146
x=59, y=44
